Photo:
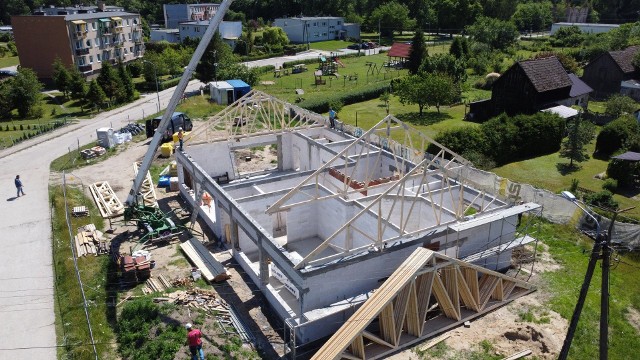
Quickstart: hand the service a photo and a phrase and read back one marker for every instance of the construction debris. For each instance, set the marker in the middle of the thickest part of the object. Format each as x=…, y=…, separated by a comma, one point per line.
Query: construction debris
x=518, y=355
x=106, y=200
x=89, y=241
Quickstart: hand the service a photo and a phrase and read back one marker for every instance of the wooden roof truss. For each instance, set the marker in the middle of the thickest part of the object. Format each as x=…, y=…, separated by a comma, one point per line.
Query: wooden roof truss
x=253, y=114
x=147, y=189
x=106, y=199
x=428, y=294
x=420, y=179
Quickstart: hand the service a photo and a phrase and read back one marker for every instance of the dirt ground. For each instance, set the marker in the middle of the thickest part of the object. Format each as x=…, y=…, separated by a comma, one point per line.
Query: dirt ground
x=525, y=324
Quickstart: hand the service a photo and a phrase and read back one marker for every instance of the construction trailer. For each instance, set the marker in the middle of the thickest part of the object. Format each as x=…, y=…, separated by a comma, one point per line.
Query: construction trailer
x=340, y=211
x=221, y=92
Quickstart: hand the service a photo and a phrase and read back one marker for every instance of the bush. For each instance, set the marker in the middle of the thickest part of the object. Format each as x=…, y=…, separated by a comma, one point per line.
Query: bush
x=461, y=140
x=616, y=134
x=603, y=199
x=321, y=105
x=168, y=84
x=624, y=172
x=610, y=184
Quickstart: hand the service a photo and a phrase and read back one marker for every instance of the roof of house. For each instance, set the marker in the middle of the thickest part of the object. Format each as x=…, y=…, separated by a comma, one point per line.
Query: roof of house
x=564, y=112
x=98, y=15
x=401, y=50
x=629, y=156
x=578, y=87
x=546, y=74
x=624, y=58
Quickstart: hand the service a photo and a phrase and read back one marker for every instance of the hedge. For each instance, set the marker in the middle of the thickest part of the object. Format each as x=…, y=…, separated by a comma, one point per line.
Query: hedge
x=321, y=105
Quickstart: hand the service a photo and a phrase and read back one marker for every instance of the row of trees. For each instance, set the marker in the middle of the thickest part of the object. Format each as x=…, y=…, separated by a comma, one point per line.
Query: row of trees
x=113, y=85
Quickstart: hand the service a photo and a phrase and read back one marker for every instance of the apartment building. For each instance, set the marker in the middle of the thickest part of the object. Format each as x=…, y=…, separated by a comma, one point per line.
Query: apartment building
x=174, y=14
x=311, y=29
x=85, y=40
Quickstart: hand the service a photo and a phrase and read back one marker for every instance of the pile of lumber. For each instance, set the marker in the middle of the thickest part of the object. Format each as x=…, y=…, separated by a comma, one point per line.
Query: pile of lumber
x=211, y=269
x=206, y=300
x=159, y=284
x=89, y=241
x=106, y=200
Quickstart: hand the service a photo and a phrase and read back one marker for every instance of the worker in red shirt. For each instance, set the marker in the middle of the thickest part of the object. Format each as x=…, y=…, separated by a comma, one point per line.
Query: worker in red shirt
x=195, y=342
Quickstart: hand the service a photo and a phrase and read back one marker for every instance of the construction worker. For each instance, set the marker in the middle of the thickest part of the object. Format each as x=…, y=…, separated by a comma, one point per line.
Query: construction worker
x=180, y=136
x=332, y=118
x=195, y=342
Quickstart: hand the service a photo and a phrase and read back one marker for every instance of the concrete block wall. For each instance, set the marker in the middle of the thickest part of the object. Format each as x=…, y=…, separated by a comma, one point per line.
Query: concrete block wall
x=285, y=150
x=302, y=222
x=247, y=244
x=342, y=282
x=214, y=158
x=487, y=236
x=331, y=214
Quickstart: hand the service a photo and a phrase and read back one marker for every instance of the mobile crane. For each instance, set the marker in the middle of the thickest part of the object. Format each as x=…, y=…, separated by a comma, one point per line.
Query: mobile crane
x=148, y=217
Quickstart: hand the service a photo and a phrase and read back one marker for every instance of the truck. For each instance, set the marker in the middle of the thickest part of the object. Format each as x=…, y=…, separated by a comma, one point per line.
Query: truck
x=178, y=120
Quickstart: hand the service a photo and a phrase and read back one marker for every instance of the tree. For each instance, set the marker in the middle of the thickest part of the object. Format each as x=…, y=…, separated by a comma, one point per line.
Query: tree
x=533, y=16
x=78, y=85
x=568, y=36
x=26, y=92
x=95, y=94
x=426, y=90
x=617, y=134
x=446, y=64
x=240, y=71
x=217, y=55
x=625, y=172
x=459, y=47
x=125, y=78
x=580, y=133
x=618, y=105
x=417, y=53
x=61, y=77
x=110, y=82
x=274, y=37
x=497, y=34
x=390, y=16
x=6, y=100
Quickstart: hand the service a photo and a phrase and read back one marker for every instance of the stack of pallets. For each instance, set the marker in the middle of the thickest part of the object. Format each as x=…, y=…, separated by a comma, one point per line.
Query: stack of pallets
x=89, y=241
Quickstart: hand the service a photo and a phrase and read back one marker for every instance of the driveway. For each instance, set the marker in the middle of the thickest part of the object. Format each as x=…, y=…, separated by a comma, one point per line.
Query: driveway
x=26, y=279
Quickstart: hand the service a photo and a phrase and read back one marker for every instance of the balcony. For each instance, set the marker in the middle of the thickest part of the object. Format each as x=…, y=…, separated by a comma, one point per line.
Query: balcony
x=105, y=31
x=85, y=68
x=137, y=40
x=84, y=51
x=118, y=29
x=79, y=34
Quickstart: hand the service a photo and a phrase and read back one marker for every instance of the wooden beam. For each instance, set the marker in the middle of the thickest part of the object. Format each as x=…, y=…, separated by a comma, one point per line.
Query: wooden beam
x=518, y=355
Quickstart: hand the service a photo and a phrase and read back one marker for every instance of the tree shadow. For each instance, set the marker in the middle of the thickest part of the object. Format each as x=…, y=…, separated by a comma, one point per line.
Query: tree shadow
x=426, y=119
x=566, y=169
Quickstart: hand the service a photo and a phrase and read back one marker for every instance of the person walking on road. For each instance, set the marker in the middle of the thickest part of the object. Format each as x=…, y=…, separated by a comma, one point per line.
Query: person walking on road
x=18, y=183
x=332, y=118
x=180, y=136
x=195, y=342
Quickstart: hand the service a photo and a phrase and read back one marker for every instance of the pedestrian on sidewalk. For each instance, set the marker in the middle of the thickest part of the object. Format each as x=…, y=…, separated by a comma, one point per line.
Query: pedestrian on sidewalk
x=195, y=342
x=180, y=136
x=18, y=183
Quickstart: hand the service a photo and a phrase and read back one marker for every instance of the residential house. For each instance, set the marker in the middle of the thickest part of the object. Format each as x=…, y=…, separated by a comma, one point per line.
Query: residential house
x=530, y=86
x=606, y=72
x=82, y=40
x=302, y=30
x=174, y=14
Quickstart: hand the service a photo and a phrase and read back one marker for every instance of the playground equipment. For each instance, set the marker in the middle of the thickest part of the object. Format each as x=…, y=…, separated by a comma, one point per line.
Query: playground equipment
x=372, y=68
x=319, y=79
x=330, y=66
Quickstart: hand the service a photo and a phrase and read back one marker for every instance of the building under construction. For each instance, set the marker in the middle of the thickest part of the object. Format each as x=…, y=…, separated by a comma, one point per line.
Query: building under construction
x=339, y=213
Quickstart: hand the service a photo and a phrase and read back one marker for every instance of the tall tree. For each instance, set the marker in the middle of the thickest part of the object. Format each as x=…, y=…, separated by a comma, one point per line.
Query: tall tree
x=127, y=84
x=217, y=55
x=417, y=53
x=6, y=100
x=26, y=91
x=110, y=82
x=532, y=16
x=580, y=133
x=495, y=33
x=390, y=17
x=61, y=77
x=95, y=94
x=78, y=84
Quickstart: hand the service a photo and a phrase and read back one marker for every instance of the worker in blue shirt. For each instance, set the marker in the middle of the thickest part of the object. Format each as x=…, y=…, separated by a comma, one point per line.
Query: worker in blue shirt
x=332, y=118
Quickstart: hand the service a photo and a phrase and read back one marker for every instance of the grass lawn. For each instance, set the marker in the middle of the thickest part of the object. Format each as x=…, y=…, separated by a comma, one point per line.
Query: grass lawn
x=9, y=61
x=99, y=281
x=571, y=250
x=331, y=45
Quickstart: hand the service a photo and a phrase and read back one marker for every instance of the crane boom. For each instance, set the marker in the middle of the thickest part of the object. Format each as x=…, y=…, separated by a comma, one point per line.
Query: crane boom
x=173, y=103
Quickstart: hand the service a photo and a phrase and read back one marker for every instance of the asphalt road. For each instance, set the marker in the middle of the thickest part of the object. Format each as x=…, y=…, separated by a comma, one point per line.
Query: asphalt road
x=27, y=329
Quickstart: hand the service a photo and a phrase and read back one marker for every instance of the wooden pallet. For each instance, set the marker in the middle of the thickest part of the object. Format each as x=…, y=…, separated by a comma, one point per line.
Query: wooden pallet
x=147, y=189
x=108, y=203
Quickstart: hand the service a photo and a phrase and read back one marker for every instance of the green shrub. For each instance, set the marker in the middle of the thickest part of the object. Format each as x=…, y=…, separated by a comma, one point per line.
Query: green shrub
x=624, y=172
x=169, y=83
x=610, y=184
x=321, y=105
x=616, y=134
x=603, y=199
x=574, y=185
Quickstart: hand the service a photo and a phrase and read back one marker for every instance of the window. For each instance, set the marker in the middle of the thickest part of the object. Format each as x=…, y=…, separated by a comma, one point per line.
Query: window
x=93, y=26
x=99, y=57
x=90, y=59
x=127, y=22
x=129, y=36
x=324, y=23
x=324, y=34
x=81, y=60
x=135, y=21
x=88, y=42
x=339, y=22
x=131, y=48
x=125, y=51
x=315, y=24
x=78, y=45
x=316, y=34
x=97, y=42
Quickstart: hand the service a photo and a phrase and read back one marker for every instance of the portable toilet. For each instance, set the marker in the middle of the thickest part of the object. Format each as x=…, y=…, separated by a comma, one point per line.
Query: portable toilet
x=240, y=88
x=106, y=137
x=221, y=92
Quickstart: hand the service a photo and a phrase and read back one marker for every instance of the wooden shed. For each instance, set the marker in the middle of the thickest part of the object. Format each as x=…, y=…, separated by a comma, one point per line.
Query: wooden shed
x=606, y=72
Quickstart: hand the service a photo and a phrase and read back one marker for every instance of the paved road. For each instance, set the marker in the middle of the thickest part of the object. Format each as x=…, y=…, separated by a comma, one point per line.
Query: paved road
x=27, y=328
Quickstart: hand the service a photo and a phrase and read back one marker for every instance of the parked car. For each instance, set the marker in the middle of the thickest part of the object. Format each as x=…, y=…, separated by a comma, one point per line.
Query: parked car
x=355, y=46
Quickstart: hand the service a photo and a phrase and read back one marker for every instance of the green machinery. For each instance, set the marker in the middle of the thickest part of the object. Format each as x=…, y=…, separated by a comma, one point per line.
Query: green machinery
x=153, y=222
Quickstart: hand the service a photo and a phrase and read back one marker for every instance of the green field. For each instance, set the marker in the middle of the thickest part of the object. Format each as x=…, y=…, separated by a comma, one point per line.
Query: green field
x=9, y=61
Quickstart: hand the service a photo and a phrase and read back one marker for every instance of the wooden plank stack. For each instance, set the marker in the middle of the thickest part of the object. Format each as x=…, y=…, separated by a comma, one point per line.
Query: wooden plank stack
x=211, y=269
x=159, y=284
x=89, y=241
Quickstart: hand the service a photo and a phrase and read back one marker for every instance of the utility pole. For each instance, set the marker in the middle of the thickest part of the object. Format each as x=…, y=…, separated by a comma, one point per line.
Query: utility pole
x=604, y=294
